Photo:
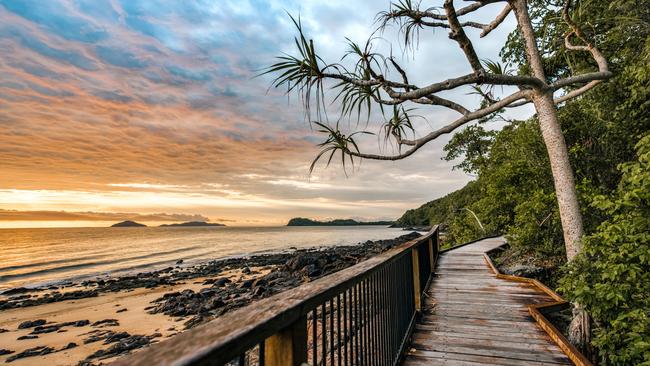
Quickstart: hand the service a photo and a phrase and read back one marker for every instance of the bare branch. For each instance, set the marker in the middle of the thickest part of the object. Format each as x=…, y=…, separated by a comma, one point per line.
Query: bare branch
x=436, y=100
x=497, y=21
x=418, y=143
x=575, y=30
x=577, y=92
x=458, y=34
x=402, y=72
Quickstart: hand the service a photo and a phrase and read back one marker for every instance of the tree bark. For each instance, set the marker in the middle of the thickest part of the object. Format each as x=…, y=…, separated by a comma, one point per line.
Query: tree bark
x=565, y=188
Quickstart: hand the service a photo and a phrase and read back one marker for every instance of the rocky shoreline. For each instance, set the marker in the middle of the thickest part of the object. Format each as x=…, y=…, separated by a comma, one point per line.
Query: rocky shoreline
x=217, y=288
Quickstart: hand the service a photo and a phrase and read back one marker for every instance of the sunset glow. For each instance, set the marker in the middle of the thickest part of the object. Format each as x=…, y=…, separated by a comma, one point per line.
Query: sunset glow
x=154, y=107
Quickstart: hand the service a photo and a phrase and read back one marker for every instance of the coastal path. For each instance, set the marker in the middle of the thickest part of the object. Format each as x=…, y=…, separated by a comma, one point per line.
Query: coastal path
x=413, y=305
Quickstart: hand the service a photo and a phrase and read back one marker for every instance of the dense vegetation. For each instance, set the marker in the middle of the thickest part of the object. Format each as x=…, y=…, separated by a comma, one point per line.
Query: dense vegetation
x=301, y=221
x=514, y=194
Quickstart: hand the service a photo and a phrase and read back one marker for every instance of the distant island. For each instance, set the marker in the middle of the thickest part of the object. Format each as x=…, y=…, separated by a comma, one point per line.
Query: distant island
x=128, y=223
x=193, y=223
x=301, y=221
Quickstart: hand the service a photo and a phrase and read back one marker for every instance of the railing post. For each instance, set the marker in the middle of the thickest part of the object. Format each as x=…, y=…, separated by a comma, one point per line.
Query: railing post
x=288, y=347
x=416, y=277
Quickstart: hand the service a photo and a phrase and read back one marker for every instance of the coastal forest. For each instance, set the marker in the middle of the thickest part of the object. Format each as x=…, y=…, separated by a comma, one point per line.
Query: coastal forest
x=608, y=139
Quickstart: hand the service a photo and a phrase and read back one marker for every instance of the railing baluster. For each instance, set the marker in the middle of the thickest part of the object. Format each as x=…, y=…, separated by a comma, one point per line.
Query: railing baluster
x=324, y=335
x=338, y=329
x=332, y=332
x=314, y=336
x=357, y=324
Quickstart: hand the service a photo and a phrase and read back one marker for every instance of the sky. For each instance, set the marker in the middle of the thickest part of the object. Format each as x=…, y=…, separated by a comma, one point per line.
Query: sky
x=151, y=109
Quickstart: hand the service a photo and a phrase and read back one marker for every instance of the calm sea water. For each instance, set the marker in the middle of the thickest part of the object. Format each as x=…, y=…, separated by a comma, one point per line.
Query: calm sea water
x=33, y=257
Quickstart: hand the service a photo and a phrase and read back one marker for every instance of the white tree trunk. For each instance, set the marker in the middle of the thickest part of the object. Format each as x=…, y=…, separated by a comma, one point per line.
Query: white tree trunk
x=565, y=187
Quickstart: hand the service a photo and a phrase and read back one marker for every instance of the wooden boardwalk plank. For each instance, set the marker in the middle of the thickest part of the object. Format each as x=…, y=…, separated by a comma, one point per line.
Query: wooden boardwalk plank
x=472, y=318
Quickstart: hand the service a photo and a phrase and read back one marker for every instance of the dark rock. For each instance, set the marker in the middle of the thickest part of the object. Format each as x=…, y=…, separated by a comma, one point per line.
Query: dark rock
x=31, y=323
x=246, y=270
x=81, y=323
x=311, y=270
x=69, y=346
x=15, y=291
x=246, y=284
x=180, y=261
x=2, y=330
x=114, y=337
x=121, y=310
x=221, y=282
x=122, y=346
x=194, y=321
x=22, y=338
x=207, y=292
x=106, y=323
x=260, y=282
x=36, y=351
x=46, y=329
x=215, y=303
x=5, y=352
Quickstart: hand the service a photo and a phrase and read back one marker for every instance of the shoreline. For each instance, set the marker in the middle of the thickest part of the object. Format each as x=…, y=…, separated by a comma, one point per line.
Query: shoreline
x=94, y=321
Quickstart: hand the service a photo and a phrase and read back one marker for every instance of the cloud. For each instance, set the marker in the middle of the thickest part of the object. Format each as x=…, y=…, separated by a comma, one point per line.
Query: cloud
x=117, y=56
x=62, y=55
x=112, y=101
x=16, y=215
x=56, y=19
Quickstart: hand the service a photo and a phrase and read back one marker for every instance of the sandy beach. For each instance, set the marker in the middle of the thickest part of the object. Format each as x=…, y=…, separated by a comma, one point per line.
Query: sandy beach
x=111, y=317
x=127, y=308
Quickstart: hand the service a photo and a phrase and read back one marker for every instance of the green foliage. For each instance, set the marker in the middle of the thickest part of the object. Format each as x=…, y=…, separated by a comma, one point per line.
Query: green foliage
x=472, y=144
x=611, y=278
x=458, y=225
x=513, y=193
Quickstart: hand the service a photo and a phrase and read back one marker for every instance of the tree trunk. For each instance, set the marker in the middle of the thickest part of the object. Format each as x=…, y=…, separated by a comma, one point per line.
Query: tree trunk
x=565, y=187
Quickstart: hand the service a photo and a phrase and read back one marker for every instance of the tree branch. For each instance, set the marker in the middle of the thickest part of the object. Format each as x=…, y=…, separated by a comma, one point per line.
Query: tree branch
x=497, y=21
x=418, y=143
x=458, y=34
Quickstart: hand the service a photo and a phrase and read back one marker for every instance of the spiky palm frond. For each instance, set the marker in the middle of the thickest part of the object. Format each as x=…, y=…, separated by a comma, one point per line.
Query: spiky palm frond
x=497, y=68
x=304, y=72
x=336, y=141
x=400, y=124
x=367, y=64
x=403, y=14
x=493, y=67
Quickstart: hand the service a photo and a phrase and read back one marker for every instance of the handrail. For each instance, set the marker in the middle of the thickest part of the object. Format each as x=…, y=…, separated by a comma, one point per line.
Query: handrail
x=377, y=301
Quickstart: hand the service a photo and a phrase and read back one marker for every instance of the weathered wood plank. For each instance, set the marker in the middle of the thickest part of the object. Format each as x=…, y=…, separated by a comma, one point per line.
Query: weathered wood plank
x=471, y=317
x=442, y=358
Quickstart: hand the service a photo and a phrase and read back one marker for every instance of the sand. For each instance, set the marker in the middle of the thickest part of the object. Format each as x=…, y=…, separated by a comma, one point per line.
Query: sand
x=135, y=320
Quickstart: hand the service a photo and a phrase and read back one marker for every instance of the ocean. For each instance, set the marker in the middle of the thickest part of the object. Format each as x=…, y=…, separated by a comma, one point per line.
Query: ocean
x=37, y=257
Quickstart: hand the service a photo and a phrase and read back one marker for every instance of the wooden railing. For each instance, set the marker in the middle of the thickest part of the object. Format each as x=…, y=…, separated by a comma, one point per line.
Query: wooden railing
x=362, y=315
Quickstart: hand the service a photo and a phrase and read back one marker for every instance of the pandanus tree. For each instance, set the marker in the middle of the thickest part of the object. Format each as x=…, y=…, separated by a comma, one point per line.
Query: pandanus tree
x=374, y=79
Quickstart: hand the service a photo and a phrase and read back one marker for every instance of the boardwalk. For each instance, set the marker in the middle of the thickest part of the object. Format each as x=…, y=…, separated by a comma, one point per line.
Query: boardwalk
x=472, y=318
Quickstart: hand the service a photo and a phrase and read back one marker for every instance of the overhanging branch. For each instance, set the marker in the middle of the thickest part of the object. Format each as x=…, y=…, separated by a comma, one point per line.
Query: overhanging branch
x=418, y=143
